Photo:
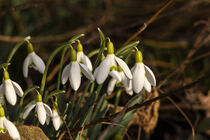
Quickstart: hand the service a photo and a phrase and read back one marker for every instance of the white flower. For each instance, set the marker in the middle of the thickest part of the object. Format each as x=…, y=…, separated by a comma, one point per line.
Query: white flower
x=108, y=66
x=57, y=122
x=35, y=61
x=6, y=125
x=81, y=57
x=127, y=83
x=143, y=77
x=42, y=109
x=73, y=72
x=9, y=88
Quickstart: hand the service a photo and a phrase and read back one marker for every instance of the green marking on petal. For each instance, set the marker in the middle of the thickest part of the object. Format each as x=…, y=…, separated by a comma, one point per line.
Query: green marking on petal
x=139, y=57
x=73, y=55
x=113, y=68
x=2, y=130
x=79, y=47
x=110, y=47
x=39, y=98
x=2, y=113
x=102, y=57
x=120, y=69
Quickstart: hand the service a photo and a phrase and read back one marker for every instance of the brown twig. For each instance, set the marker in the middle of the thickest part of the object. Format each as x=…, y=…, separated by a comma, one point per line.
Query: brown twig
x=20, y=7
x=144, y=26
x=145, y=103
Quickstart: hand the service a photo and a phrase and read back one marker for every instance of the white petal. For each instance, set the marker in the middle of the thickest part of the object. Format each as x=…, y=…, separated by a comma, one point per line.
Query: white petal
x=17, y=88
x=147, y=85
x=150, y=76
x=57, y=122
x=26, y=63
x=41, y=112
x=115, y=74
x=80, y=56
x=74, y=75
x=10, y=92
x=65, y=74
x=2, y=90
x=95, y=72
x=12, y=130
x=124, y=66
x=133, y=68
x=28, y=110
x=48, y=120
x=86, y=72
x=48, y=110
x=138, y=77
x=2, y=123
x=103, y=70
x=111, y=86
x=87, y=62
x=38, y=62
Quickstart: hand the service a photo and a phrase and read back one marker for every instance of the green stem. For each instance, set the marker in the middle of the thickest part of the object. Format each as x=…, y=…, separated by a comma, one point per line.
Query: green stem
x=117, y=99
x=47, y=66
x=65, y=45
x=14, y=50
x=60, y=68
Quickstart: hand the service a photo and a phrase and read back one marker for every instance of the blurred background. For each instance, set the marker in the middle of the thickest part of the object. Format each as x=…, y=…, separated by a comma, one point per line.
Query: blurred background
x=176, y=46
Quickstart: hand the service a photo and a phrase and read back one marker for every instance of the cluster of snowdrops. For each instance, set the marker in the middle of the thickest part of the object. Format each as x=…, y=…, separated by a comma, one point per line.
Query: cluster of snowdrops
x=138, y=78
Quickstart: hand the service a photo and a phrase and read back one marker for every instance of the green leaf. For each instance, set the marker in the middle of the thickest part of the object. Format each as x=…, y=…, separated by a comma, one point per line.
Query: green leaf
x=126, y=48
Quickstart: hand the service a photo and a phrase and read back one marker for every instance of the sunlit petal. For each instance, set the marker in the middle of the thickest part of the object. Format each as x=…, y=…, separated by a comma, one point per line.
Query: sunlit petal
x=48, y=110
x=38, y=62
x=86, y=72
x=28, y=110
x=10, y=92
x=26, y=63
x=65, y=74
x=124, y=66
x=12, y=130
x=150, y=76
x=147, y=85
x=17, y=88
x=138, y=77
x=74, y=76
x=111, y=86
x=103, y=70
x=57, y=122
x=115, y=74
x=41, y=112
x=87, y=62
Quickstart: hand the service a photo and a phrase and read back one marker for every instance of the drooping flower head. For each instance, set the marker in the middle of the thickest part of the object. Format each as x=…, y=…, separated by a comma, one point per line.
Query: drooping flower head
x=32, y=60
x=10, y=88
x=143, y=77
x=56, y=119
x=6, y=125
x=127, y=83
x=42, y=109
x=73, y=71
x=82, y=58
x=109, y=66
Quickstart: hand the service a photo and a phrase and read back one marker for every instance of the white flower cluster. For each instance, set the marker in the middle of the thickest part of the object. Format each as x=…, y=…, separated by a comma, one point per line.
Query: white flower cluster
x=135, y=80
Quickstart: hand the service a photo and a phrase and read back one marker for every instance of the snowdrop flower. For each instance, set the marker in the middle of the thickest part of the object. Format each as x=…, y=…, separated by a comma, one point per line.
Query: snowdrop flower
x=9, y=88
x=109, y=66
x=143, y=77
x=42, y=109
x=82, y=58
x=6, y=125
x=127, y=83
x=56, y=119
x=73, y=71
x=32, y=60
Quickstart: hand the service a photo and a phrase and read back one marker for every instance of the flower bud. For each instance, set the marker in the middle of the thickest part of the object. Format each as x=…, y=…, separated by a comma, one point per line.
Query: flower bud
x=39, y=98
x=73, y=55
x=6, y=75
x=30, y=47
x=79, y=47
x=139, y=58
x=110, y=47
x=2, y=114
